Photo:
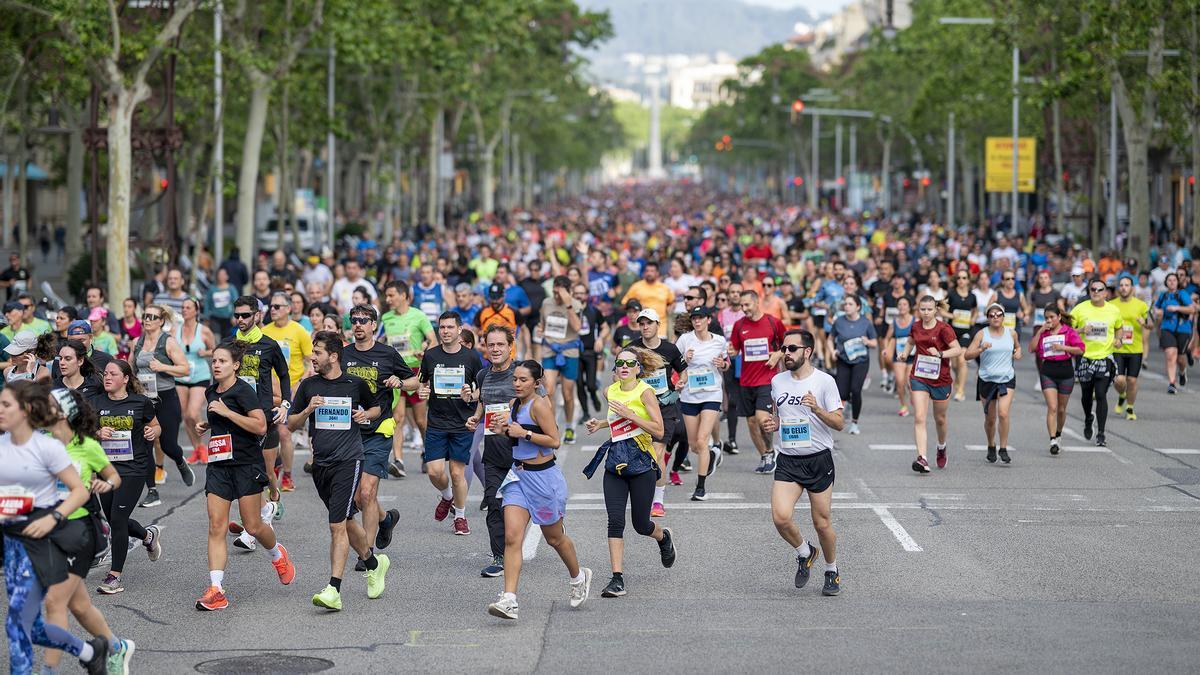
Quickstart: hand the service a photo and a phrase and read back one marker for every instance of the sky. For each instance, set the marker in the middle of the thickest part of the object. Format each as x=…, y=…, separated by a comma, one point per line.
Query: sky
x=815, y=7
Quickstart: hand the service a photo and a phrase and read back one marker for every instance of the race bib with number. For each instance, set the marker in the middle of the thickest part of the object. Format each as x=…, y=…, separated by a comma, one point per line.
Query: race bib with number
x=756, y=349
x=449, y=381
x=400, y=343
x=1010, y=320
x=220, y=448
x=286, y=348
x=61, y=487
x=927, y=367
x=701, y=378
x=657, y=381
x=585, y=326
x=493, y=412
x=855, y=349
x=431, y=309
x=334, y=414
x=901, y=345
x=15, y=501
x=556, y=327
x=252, y=381
x=622, y=428
x=1039, y=316
x=1095, y=331
x=1125, y=335
x=119, y=448
x=221, y=299
x=149, y=382
x=1052, y=344
x=961, y=319
x=891, y=313
x=795, y=432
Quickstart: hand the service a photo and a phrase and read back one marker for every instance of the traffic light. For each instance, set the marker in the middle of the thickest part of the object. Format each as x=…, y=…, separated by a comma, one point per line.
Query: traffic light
x=1192, y=183
x=925, y=181
x=797, y=110
x=725, y=144
x=907, y=183
x=798, y=181
x=727, y=140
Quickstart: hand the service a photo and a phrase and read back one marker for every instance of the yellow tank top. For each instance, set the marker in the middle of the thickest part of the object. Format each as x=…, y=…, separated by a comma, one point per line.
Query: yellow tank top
x=633, y=399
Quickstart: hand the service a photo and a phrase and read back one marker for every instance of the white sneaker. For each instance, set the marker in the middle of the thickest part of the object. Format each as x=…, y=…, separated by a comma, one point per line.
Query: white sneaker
x=579, y=591
x=246, y=541
x=268, y=513
x=505, y=607
x=853, y=429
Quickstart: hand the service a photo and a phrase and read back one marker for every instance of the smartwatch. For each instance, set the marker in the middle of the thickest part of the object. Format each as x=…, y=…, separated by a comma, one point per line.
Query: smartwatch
x=58, y=517
x=528, y=435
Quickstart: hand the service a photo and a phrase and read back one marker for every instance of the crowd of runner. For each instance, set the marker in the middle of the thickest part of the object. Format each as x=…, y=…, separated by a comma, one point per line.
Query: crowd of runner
x=657, y=319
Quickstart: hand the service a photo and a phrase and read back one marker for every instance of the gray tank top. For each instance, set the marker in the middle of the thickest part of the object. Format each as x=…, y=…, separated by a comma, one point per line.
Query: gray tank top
x=161, y=381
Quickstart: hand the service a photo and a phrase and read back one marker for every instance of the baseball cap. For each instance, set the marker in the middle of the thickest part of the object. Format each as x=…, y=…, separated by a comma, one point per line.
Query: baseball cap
x=994, y=305
x=22, y=342
x=79, y=327
x=631, y=306
x=495, y=292
x=13, y=306
x=97, y=314
x=648, y=314
x=698, y=311
x=1077, y=271
x=313, y=259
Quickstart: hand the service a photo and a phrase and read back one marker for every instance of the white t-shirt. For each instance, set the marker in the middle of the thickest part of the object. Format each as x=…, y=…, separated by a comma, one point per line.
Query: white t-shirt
x=33, y=466
x=679, y=287
x=705, y=383
x=343, y=293
x=800, y=431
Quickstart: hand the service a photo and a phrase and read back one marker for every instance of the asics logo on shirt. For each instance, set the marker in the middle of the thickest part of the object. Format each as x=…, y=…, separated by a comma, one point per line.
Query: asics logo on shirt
x=791, y=399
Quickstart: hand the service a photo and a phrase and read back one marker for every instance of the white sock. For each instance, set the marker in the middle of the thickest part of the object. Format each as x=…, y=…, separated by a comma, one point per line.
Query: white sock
x=276, y=553
x=659, y=492
x=448, y=493
x=579, y=579
x=215, y=578
x=510, y=596
x=941, y=446
x=460, y=513
x=86, y=653
x=804, y=550
x=831, y=566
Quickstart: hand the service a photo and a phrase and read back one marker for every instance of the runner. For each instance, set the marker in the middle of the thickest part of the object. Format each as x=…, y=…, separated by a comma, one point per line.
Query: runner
x=534, y=489
x=1135, y=324
x=593, y=332
x=897, y=339
x=407, y=330
x=700, y=400
x=756, y=337
x=1015, y=305
x=850, y=337
x=236, y=472
x=931, y=343
x=660, y=380
x=332, y=402
x=963, y=310
x=295, y=342
x=76, y=371
x=128, y=428
x=23, y=351
x=1057, y=345
x=996, y=347
x=444, y=370
x=1174, y=310
x=808, y=410
x=727, y=317
x=651, y=293
x=198, y=342
x=630, y=466
x=559, y=328
x=1097, y=319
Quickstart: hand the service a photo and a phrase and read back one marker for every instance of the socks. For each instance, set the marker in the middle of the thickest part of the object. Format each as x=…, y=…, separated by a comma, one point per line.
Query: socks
x=510, y=596
x=941, y=446
x=804, y=550
x=371, y=562
x=85, y=654
x=831, y=566
x=700, y=480
x=336, y=582
x=276, y=553
x=459, y=513
x=215, y=578
x=448, y=493
x=659, y=492
x=578, y=579
x=618, y=576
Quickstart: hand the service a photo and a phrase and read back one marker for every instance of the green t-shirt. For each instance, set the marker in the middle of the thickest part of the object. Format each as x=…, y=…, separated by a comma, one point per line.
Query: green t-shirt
x=39, y=326
x=1097, y=326
x=484, y=269
x=105, y=342
x=89, y=460
x=407, y=332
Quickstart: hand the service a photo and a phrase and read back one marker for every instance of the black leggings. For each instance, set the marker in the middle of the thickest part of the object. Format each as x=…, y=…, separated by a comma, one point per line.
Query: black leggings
x=850, y=379
x=170, y=417
x=118, y=508
x=638, y=492
x=733, y=392
x=1097, y=389
x=586, y=385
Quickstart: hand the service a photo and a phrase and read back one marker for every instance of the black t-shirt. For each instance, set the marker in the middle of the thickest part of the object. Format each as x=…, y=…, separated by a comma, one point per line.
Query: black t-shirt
x=589, y=327
x=496, y=388
x=669, y=353
x=337, y=438
x=537, y=295
x=375, y=366
x=447, y=410
x=261, y=359
x=99, y=359
x=15, y=275
x=131, y=414
x=90, y=387
x=624, y=336
x=241, y=399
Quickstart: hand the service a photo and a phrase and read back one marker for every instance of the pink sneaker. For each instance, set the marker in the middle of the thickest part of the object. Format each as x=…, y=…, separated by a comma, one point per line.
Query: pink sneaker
x=920, y=465
x=658, y=510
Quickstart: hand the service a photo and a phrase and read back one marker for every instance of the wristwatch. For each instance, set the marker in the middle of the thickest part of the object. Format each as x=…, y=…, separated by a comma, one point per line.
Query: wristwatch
x=528, y=436
x=58, y=517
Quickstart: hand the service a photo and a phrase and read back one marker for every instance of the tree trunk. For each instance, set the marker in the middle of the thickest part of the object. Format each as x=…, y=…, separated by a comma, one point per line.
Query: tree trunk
x=434, y=174
x=121, y=104
x=885, y=169
x=1137, y=147
x=1060, y=193
x=10, y=184
x=1097, y=186
x=1195, y=124
x=256, y=122
x=967, y=184
x=515, y=187
x=75, y=163
x=529, y=179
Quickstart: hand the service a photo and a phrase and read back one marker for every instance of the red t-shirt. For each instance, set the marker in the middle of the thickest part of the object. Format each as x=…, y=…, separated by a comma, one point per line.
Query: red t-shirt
x=756, y=340
x=755, y=252
x=939, y=337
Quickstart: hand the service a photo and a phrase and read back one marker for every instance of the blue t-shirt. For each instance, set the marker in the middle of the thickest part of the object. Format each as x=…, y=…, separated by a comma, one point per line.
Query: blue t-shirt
x=516, y=297
x=468, y=314
x=848, y=338
x=600, y=284
x=1174, y=321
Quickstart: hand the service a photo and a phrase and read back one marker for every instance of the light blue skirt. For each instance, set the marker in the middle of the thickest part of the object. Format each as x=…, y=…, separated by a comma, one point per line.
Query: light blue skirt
x=542, y=493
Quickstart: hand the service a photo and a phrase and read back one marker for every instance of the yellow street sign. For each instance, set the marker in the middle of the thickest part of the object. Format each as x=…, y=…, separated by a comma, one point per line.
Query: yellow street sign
x=999, y=156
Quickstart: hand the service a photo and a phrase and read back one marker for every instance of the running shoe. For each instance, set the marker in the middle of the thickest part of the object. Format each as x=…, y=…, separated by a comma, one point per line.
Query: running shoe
x=98, y=664
x=329, y=598
x=1120, y=405
x=1130, y=415
x=160, y=476
x=833, y=583
x=494, y=570
x=666, y=548
x=483, y=504
x=569, y=435
x=505, y=607
x=960, y=396
x=308, y=466
x=769, y=463
x=460, y=526
x=1087, y=427
x=714, y=459
x=194, y=458
x=396, y=469
x=920, y=465
x=235, y=528
x=443, y=509
x=1004, y=456
x=1100, y=442
x=286, y=483
x=614, y=589
x=212, y=600
x=941, y=457
x=991, y=454
x=903, y=411
x=118, y=661
x=675, y=479
x=853, y=429
x=152, y=499
x=278, y=515
x=246, y=542
x=658, y=510
x=284, y=567
x=580, y=590
x=1171, y=389
x=152, y=542
x=376, y=577
x=731, y=448
x=111, y=585
x=698, y=495
x=804, y=565
x=186, y=473
x=384, y=536
x=424, y=466
x=1054, y=446
x=762, y=460
x=686, y=465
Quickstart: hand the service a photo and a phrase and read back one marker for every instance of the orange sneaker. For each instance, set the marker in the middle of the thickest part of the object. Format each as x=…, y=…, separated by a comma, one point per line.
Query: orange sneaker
x=194, y=458
x=286, y=484
x=284, y=567
x=212, y=600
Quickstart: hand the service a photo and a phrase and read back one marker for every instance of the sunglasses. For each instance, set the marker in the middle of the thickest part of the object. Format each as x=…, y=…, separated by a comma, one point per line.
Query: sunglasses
x=768, y=285
x=1099, y=289
x=1008, y=278
x=151, y=317
x=691, y=297
x=279, y=306
x=995, y=315
x=26, y=306
x=791, y=349
x=243, y=315
x=360, y=320
x=622, y=363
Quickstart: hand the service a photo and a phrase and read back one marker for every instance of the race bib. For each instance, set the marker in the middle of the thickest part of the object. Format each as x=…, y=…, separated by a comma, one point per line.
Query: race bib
x=622, y=428
x=556, y=328
x=149, y=382
x=855, y=349
x=1039, y=316
x=891, y=313
x=119, y=448
x=1052, y=344
x=1125, y=335
x=1010, y=320
x=584, y=326
x=286, y=348
x=1095, y=331
x=61, y=487
x=927, y=367
x=701, y=378
x=431, y=309
x=221, y=299
x=493, y=412
x=961, y=319
x=756, y=349
x=220, y=448
x=252, y=381
x=400, y=343
x=901, y=345
x=334, y=414
x=15, y=501
x=795, y=432
x=449, y=381
x=657, y=381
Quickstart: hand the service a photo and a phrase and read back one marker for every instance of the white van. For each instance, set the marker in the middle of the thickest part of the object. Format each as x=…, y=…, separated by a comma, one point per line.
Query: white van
x=269, y=239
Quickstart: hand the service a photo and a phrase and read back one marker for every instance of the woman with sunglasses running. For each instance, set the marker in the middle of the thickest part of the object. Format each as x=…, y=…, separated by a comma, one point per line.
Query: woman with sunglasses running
x=897, y=340
x=1097, y=319
x=630, y=467
x=996, y=347
x=156, y=369
x=198, y=341
x=1056, y=344
x=932, y=343
x=963, y=308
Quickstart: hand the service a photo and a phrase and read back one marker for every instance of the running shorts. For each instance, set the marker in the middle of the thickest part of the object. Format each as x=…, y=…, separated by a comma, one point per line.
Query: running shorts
x=231, y=482
x=336, y=485
x=540, y=489
x=1169, y=338
x=814, y=473
x=1128, y=365
x=754, y=399
x=694, y=409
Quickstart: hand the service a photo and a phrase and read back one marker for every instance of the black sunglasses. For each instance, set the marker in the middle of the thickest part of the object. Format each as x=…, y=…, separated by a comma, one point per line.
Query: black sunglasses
x=360, y=320
x=152, y=317
x=279, y=306
x=1099, y=289
x=243, y=315
x=627, y=364
x=691, y=297
x=791, y=349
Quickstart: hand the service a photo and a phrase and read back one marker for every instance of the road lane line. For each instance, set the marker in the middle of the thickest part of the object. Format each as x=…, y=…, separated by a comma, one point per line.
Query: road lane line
x=1086, y=448
x=963, y=506
x=897, y=529
x=594, y=496
x=1180, y=451
x=892, y=446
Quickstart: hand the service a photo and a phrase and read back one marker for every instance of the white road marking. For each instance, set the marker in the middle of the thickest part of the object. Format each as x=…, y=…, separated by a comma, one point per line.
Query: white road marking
x=711, y=495
x=892, y=446
x=1073, y=434
x=1085, y=448
x=1180, y=451
x=984, y=447
x=533, y=537
x=862, y=484
x=950, y=497
x=751, y=506
x=897, y=529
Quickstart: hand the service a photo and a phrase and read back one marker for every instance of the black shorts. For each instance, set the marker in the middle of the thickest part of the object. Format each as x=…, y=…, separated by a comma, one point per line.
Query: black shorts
x=992, y=391
x=814, y=473
x=81, y=564
x=271, y=440
x=203, y=384
x=231, y=482
x=672, y=424
x=337, y=484
x=1128, y=365
x=964, y=335
x=1169, y=338
x=754, y=399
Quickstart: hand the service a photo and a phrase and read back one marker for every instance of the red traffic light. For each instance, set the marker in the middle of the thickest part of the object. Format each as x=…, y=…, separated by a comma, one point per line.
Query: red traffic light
x=924, y=182
x=841, y=180
x=726, y=139
x=162, y=184
x=907, y=183
x=797, y=181
x=797, y=106
x=1192, y=181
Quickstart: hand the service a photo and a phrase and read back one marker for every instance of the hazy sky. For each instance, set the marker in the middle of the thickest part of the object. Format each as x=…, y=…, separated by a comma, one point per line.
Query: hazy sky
x=815, y=7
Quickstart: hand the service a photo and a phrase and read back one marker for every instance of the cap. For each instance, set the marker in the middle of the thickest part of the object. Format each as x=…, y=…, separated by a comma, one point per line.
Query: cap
x=22, y=342
x=495, y=292
x=1077, y=271
x=79, y=327
x=97, y=314
x=648, y=314
x=994, y=305
x=633, y=306
x=13, y=307
x=698, y=311
x=313, y=259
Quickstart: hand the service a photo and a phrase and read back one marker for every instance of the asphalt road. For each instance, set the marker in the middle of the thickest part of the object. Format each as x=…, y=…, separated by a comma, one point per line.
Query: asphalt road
x=1084, y=562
